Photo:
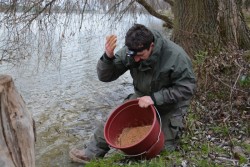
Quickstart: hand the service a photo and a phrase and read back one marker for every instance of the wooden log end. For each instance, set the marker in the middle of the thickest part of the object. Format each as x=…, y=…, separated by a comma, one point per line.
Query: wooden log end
x=4, y=79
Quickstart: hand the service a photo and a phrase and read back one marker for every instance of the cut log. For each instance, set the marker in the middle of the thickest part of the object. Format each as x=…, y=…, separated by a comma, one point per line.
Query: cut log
x=17, y=135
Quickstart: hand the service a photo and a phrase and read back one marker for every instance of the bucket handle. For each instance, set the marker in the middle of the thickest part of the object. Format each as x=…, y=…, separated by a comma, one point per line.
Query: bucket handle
x=135, y=155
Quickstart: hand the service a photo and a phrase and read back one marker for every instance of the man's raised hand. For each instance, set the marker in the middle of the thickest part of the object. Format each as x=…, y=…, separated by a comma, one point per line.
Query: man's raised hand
x=110, y=45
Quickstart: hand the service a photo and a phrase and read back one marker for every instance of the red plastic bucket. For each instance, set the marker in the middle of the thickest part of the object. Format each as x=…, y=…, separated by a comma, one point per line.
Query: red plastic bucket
x=130, y=114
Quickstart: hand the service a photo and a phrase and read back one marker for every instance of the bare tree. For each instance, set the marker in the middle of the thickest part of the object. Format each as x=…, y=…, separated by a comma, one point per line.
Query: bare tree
x=207, y=25
x=197, y=25
x=18, y=19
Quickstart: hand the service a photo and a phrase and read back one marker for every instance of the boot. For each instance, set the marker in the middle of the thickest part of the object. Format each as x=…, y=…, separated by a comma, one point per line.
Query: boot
x=78, y=156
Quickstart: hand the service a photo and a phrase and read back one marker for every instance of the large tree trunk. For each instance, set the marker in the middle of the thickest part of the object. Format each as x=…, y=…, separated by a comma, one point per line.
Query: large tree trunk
x=234, y=31
x=195, y=26
x=209, y=26
x=17, y=137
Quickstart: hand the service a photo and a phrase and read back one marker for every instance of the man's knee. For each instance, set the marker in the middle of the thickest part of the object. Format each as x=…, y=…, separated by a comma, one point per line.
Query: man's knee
x=173, y=125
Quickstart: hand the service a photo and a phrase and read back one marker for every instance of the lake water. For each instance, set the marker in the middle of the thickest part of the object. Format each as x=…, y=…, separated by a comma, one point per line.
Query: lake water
x=59, y=83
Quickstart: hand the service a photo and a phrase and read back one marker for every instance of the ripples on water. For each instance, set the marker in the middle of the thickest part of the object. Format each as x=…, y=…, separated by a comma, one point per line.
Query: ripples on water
x=65, y=96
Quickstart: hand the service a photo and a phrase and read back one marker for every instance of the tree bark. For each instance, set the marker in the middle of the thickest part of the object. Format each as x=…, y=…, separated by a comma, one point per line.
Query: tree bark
x=17, y=136
x=210, y=26
x=195, y=27
x=233, y=28
x=170, y=2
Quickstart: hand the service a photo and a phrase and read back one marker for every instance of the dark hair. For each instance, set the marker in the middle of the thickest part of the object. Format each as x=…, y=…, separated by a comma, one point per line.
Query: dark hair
x=138, y=38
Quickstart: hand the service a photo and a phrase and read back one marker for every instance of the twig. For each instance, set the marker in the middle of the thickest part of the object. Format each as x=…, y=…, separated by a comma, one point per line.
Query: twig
x=85, y=4
x=226, y=159
x=234, y=87
x=227, y=84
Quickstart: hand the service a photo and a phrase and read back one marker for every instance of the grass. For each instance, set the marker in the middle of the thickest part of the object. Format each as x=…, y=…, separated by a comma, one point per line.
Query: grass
x=197, y=157
x=196, y=149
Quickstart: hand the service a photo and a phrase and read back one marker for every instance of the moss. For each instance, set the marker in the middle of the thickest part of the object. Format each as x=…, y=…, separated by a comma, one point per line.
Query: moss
x=244, y=81
x=106, y=162
x=220, y=94
x=220, y=130
x=219, y=150
x=242, y=159
x=205, y=148
x=200, y=57
x=204, y=163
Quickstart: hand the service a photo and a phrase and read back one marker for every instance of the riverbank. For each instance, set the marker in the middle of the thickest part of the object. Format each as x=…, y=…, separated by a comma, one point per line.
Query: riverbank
x=202, y=145
x=217, y=125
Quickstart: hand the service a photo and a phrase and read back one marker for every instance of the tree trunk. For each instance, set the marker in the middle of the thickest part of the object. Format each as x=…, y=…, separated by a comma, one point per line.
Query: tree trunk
x=209, y=26
x=17, y=137
x=195, y=26
x=234, y=32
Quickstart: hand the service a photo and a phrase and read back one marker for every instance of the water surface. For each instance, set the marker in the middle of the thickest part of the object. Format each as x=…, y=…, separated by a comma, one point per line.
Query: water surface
x=64, y=94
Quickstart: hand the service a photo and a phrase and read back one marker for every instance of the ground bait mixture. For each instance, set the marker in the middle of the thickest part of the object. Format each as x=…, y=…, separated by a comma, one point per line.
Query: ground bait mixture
x=132, y=135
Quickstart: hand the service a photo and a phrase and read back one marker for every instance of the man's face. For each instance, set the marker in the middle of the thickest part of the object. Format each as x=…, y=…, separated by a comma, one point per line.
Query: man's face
x=144, y=55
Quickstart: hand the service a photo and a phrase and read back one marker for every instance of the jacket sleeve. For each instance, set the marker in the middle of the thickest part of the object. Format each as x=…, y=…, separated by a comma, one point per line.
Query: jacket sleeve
x=110, y=69
x=183, y=84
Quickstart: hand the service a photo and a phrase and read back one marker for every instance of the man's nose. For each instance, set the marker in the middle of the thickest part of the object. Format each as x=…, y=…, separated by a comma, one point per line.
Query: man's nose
x=137, y=58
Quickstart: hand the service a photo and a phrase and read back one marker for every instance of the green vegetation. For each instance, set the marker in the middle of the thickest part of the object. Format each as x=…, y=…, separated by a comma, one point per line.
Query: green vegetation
x=217, y=126
x=217, y=95
x=201, y=145
x=245, y=81
x=200, y=57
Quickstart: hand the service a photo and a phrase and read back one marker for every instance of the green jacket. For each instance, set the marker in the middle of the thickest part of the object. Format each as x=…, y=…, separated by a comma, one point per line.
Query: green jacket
x=167, y=75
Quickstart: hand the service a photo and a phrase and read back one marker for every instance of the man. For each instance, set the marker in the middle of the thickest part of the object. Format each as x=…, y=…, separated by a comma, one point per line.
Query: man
x=162, y=75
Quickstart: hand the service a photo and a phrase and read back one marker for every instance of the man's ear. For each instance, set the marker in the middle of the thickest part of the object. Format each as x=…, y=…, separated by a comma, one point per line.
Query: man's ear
x=152, y=44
